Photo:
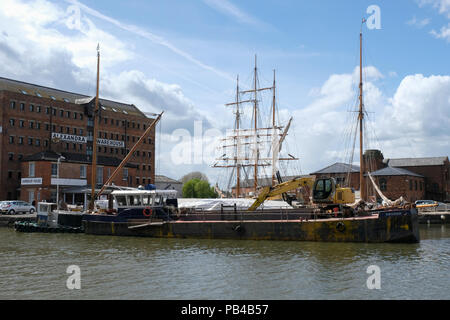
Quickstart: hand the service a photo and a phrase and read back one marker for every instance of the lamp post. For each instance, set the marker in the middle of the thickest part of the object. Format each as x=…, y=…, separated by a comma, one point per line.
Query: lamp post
x=57, y=181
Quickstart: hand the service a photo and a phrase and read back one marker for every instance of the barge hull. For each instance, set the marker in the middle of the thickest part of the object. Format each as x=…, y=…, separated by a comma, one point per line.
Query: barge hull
x=378, y=228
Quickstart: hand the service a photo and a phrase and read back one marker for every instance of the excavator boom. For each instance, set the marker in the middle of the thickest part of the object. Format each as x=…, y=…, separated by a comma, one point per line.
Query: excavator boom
x=281, y=188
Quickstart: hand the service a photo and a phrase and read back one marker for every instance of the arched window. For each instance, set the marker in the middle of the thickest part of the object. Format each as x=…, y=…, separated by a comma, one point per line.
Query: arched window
x=383, y=184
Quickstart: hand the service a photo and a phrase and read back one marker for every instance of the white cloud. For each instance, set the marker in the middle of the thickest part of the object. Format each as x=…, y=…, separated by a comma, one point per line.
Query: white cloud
x=444, y=33
x=230, y=9
x=443, y=7
x=418, y=23
x=150, y=36
x=413, y=123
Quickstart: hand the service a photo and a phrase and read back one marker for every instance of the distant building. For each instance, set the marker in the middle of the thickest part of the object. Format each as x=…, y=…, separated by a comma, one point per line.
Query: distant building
x=36, y=119
x=436, y=171
x=165, y=183
x=345, y=175
x=42, y=175
x=397, y=182
x=413, y=178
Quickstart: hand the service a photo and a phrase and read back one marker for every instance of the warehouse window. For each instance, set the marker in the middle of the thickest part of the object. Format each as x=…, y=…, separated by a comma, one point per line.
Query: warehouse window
x=31, y=108
x=11, y=122
x=38, y=109
x=383, y=184
x=54, y=169
x=82, y=171
x=12, y=104
x=11, y=156
x=31, y=166
x=11, y=139
x=22, y=106
x=125, y=174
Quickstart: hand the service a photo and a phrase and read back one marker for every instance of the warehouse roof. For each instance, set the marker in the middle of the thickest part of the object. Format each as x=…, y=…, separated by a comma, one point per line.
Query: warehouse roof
x=338, y=168
x=69, y=97
x=391, y=171
x=416, y=162
x=164, y=179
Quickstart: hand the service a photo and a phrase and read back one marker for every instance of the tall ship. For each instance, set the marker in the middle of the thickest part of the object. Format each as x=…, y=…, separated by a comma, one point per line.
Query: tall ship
x=333, y=215
x=253, y=153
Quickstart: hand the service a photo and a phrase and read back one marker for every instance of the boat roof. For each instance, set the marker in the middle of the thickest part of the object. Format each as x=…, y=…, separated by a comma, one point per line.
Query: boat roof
x=143, y=192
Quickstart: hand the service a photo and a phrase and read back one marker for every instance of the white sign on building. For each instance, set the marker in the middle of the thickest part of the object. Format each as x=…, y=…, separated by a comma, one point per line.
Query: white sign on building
x=110, y=143
x=69, y=182
x=30, y=181
x=68, y=137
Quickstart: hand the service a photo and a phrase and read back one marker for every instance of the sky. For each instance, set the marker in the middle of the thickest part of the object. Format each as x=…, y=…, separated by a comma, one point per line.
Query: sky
x=183, y=57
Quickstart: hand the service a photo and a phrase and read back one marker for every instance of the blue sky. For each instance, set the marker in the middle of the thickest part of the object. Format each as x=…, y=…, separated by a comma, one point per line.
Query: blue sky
x=184, y=56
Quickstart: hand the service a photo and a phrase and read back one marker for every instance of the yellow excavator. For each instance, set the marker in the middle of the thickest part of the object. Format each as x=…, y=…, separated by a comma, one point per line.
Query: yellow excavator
x=325, y=192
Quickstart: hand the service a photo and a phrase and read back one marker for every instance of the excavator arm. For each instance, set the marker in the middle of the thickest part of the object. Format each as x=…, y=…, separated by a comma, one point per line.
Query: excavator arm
x=281, y=188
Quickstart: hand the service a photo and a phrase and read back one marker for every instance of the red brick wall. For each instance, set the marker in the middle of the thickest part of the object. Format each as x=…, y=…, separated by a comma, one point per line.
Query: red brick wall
x=10, y=185
x=66, y=171
x=438, y=175
x=397, y=186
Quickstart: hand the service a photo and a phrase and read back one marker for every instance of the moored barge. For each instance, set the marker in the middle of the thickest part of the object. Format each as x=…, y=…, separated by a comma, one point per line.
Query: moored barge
x=154, y=213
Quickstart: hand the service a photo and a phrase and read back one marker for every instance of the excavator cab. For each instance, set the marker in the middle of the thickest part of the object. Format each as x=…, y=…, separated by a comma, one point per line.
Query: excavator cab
x=325, y=190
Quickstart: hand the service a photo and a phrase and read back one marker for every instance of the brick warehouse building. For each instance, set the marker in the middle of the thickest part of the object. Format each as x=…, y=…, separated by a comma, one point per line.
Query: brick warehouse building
x=34, y=119
x=413, y=178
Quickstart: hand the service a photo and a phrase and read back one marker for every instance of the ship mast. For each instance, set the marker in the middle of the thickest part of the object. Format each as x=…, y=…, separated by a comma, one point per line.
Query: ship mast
x=241, y=161
x=255, y=113
x=238, y=119
x=273, y=126
x=360, y=118
x=94, y=140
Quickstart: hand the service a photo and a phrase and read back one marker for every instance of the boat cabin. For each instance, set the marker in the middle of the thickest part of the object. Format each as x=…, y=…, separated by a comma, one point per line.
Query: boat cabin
x=45, y=213
x=144, y=198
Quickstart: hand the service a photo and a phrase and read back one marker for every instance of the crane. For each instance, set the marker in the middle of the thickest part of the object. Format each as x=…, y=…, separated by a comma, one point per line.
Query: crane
x=325, y=192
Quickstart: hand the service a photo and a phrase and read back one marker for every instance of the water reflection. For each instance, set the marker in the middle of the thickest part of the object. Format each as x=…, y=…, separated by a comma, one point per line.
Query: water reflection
x=34, y=267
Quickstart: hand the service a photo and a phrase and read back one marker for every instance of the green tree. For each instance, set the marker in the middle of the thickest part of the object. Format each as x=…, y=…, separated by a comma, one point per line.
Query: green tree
x=196, y=188
x=194, y=175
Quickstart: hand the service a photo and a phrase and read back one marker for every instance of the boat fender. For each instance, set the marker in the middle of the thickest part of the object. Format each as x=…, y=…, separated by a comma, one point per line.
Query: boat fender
x=340, y=226
x=147, y=212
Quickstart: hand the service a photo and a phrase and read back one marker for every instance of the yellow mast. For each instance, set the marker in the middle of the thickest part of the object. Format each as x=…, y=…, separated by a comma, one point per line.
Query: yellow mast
x=96, y=119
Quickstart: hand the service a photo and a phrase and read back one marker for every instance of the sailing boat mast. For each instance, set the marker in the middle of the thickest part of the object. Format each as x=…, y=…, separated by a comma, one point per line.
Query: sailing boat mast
x=238, y=119
x=273, y=123
x=94, y=140
x=360, y=118
x=256, y=128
